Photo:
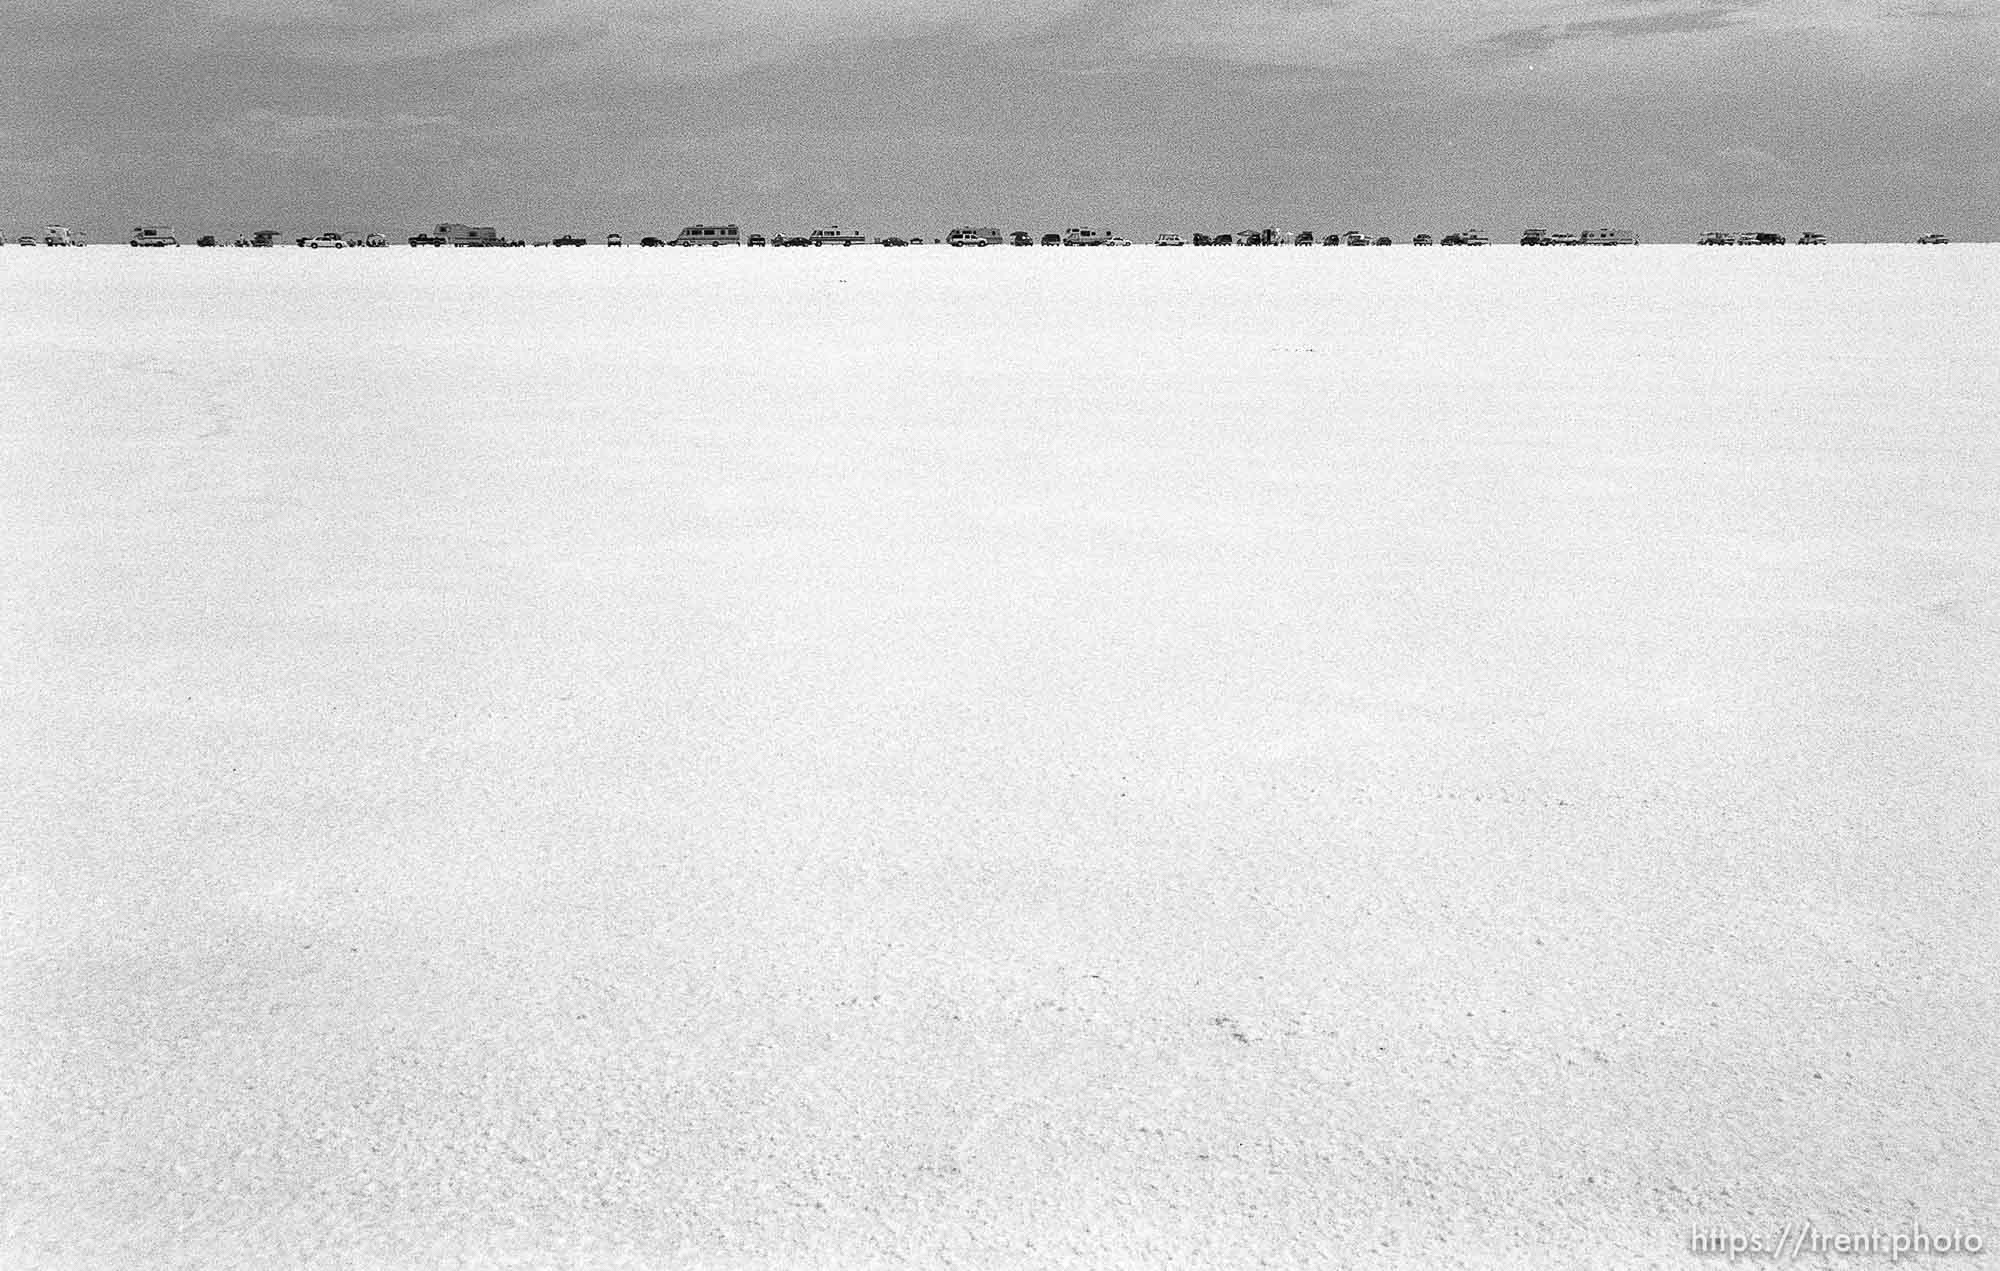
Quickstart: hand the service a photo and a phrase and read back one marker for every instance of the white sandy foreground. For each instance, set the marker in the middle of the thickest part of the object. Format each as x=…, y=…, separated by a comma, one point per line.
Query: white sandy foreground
x=830, y=758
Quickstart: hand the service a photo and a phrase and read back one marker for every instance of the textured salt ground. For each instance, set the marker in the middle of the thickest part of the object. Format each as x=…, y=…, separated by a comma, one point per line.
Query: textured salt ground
x=1009, y=758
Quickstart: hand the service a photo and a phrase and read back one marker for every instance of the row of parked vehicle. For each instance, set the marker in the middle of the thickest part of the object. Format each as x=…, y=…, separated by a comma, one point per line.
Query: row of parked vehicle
x=452, y=234
x=1760, y=238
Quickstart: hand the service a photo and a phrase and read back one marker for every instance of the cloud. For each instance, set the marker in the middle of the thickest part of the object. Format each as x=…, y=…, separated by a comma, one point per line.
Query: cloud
x=270, y=132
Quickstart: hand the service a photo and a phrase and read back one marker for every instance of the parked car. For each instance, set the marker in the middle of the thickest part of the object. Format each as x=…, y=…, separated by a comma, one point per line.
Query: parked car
x=653, y=240
x=206, y=240
x=1810, y=239
x=428, y=240
x=1021, y=238
x=28, y=240
x=1934, y=240
x=328, y=239
x=1304, y=238
x=895, y=242
x=755, y=240
x=614, y=240
x=1421, y=240
x=1118, y=242
x=568, y=240
x=1170, y=240
x=1222, y=240
x=965, y=238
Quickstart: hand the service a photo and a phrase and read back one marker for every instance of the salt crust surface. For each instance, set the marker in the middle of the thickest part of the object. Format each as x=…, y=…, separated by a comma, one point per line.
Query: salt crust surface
x=620, y=758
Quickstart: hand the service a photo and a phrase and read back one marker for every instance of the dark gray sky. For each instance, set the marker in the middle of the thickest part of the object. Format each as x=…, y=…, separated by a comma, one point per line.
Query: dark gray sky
x=1875, y=119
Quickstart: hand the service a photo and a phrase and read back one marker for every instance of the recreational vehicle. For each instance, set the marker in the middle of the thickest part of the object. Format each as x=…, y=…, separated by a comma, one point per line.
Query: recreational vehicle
x=1608, y=238
x=1086, y=237
x=835, y=234
x=469, y=236
x=154, y=236
x=60, y=236
x=457, y=235
x=709, y=236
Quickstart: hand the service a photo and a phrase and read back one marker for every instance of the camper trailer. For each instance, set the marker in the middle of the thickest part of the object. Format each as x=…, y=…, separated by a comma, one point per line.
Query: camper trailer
x=154, y=236
x=457, y=235
x=1609, y=238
